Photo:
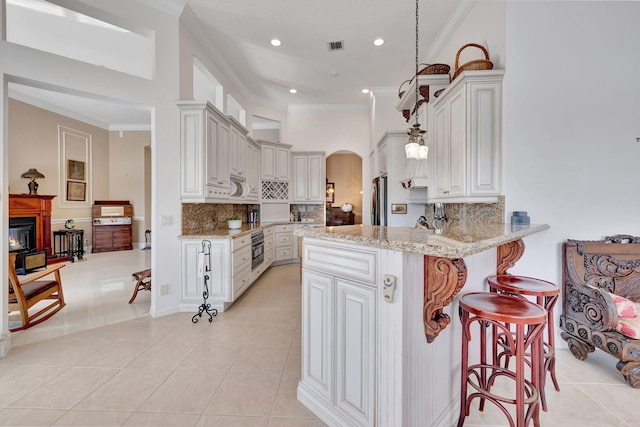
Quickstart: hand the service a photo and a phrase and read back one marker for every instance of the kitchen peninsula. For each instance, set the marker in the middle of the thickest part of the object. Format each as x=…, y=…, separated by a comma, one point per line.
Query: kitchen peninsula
x=380, y=341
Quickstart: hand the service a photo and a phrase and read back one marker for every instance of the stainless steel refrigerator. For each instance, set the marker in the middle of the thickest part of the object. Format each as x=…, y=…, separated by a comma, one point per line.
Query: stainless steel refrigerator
x=379, y=201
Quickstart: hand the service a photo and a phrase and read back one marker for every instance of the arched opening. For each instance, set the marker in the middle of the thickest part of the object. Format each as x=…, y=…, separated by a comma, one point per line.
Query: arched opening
x=344, y=170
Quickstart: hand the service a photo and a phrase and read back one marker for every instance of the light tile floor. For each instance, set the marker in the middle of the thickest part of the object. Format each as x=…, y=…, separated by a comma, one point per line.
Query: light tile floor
x=113, y=365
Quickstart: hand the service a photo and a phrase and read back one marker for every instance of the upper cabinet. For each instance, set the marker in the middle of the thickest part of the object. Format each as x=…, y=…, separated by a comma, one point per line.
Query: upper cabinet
x=275, y=161
x=204, y=139
x=253, y=169
x=465, y=154
x=238, y=149
x=309, y=182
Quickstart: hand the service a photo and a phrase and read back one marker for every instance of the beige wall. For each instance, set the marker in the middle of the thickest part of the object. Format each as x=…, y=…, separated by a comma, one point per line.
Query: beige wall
x=127, y=173
x=117, y=164
x=345, y=170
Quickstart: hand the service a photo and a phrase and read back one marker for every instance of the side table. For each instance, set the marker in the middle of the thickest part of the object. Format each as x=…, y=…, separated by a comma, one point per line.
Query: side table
x=69, y=243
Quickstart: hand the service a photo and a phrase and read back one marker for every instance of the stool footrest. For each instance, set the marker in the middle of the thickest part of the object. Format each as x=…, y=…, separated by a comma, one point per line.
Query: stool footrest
x=530, y=391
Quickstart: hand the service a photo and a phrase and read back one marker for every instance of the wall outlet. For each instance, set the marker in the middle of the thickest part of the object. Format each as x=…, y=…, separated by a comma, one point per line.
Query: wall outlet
x=86, y=242
x=164, y=290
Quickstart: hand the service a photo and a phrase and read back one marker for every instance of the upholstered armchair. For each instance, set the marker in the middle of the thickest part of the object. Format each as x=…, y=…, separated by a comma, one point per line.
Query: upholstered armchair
x=601, y=296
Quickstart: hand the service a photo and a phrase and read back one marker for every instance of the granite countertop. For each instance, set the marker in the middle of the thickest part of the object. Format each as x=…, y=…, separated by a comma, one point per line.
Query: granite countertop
x=453, y=242
x=226, y=233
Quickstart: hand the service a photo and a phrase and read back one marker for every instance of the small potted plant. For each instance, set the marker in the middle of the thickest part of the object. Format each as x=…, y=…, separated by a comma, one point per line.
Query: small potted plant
x=234, y=222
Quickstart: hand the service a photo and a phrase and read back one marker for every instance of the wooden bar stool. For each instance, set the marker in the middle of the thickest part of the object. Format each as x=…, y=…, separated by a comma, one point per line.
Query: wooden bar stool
x=143, y=282
x=546, y=295
x=503, y=312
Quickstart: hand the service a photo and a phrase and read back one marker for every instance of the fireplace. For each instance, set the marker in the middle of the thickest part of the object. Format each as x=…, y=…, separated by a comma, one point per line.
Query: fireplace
x=22, y=234
x=30, y=224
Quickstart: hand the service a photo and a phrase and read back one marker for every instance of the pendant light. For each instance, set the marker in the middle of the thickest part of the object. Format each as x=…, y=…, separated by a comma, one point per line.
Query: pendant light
x=416, y=147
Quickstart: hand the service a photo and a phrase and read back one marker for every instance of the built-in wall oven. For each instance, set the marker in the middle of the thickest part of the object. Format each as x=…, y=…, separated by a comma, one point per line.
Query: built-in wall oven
x=257, y=249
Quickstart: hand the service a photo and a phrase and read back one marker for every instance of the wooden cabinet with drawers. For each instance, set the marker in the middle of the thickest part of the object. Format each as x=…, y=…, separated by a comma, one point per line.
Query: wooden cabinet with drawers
x=111, y=226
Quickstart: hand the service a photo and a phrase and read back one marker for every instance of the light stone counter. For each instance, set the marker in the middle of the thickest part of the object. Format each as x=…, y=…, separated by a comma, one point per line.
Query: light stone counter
x=453, y=242
x=226, y=233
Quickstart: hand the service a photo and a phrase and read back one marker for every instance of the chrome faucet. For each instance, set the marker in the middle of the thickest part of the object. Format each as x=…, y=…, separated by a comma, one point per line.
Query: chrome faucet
x=440, y=219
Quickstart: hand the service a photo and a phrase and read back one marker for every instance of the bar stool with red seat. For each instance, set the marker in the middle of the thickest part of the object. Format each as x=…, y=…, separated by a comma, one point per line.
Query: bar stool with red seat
x=503, y=312
x=546, y=295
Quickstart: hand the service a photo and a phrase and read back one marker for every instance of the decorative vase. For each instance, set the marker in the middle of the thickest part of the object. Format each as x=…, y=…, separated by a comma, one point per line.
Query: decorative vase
x=234, y=223
x=347, y=207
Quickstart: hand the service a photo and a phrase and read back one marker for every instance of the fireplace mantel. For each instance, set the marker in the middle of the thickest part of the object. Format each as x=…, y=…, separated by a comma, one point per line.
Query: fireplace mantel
x=38, y=206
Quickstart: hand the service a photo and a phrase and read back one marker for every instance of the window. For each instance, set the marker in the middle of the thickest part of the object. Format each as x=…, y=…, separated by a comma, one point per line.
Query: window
x=205, y=86
x=80, y=37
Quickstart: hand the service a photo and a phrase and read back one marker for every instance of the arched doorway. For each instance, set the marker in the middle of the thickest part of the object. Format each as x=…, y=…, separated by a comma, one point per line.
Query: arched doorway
x=344, y=170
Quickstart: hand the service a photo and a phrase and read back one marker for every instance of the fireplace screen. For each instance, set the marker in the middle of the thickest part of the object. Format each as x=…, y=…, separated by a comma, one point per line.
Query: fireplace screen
x=22, y=234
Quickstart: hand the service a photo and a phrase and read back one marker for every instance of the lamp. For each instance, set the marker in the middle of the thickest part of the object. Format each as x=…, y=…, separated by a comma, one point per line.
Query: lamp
x=416, y=147
x=32, y=174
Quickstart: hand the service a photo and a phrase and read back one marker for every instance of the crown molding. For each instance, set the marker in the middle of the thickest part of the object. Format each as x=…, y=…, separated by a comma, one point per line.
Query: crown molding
x=458, y=15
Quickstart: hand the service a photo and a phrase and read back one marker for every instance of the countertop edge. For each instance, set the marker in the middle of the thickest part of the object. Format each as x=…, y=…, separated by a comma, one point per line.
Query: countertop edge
x=434, y=244
x=225, y=233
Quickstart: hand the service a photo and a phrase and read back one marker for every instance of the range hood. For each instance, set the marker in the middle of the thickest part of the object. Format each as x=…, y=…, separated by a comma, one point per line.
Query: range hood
x=415, y=174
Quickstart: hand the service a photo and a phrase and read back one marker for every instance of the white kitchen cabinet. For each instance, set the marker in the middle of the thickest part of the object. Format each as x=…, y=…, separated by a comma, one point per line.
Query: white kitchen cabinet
x=238, y=148
x=283, y=242
x=355, y=349
x=309, y=177
x=338, y=330
x=275, y=161
x=240, y=265
x=268, y=247
x=467, y=141
x=382, y=158
x=219, y=274
x=253, y=169
x=204, y=159
x=318, y=336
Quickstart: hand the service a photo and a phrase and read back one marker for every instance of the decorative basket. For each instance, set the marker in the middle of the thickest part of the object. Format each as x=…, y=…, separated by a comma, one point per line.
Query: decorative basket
x=434, y=69
x=476, y=64
x=401, y=89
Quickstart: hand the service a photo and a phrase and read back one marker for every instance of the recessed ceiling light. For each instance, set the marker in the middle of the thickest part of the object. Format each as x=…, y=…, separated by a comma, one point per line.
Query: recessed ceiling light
x=365, y=90
x=293, y=91
x=276, y=42
x=335, y=73
x=378, y=42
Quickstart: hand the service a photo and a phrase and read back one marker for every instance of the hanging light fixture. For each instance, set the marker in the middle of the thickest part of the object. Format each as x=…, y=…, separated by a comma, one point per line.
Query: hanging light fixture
x=416, y=147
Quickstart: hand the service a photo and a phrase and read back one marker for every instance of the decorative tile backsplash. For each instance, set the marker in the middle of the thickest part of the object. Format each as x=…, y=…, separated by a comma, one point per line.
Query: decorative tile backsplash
x=201, y=218
x=461, y=214
x=312, y=212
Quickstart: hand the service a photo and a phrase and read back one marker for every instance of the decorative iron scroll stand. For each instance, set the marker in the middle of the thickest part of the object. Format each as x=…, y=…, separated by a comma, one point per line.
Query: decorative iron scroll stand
x=444, y=278
x=204, y=273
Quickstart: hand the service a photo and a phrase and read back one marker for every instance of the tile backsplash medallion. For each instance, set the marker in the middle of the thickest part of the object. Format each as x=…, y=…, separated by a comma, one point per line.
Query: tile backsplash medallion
x=312, y=212
x=201, y=218
x=461, y=214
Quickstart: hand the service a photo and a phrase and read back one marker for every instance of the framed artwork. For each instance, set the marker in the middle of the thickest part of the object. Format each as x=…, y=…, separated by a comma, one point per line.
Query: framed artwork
x=75, y=170
x=76, y=191
x=398, y=208
x=331, y=191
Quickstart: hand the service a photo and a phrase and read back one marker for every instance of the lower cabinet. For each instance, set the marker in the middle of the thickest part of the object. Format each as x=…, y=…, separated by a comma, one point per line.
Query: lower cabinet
x=338, y=347
x=219, y=273
x=230, y=273
x=241, y=267
x=111, y=238
x=268, y=248
x=283, y=241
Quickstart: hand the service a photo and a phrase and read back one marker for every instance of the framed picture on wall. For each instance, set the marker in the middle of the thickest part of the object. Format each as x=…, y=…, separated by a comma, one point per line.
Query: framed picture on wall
x=76, y=191
x=75, y=170
x=398, y=208
x=331, y=191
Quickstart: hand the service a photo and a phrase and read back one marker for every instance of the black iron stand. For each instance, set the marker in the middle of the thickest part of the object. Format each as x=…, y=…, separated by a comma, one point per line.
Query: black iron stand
x=205, y=307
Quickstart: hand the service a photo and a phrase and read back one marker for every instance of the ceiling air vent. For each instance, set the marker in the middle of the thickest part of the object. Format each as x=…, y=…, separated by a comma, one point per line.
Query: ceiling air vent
x=338, y=45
